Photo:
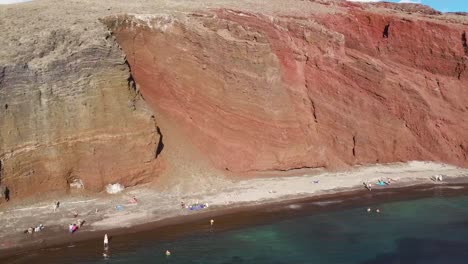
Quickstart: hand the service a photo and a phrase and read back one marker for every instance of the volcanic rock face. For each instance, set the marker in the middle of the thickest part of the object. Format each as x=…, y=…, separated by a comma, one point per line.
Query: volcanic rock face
x=242, y=87
x=257, y=92
x=68, y=115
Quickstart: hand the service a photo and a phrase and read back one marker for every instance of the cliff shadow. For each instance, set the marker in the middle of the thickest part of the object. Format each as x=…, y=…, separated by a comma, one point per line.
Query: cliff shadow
x=160, y=147
x=386, y=31
x=464, y=43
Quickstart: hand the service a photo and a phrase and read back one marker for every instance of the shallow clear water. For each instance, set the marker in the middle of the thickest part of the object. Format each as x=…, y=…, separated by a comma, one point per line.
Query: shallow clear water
x=426, y=231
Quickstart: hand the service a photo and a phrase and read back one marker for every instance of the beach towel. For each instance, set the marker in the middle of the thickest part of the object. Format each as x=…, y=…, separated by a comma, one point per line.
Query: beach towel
x=196, y=207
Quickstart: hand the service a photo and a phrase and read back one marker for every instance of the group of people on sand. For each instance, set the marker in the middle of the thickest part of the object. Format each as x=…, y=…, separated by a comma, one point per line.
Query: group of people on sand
x=437, y=178
x=36, y=229
x=72, y=228
x=380, y=182
x=195, y=206
x=383, y=182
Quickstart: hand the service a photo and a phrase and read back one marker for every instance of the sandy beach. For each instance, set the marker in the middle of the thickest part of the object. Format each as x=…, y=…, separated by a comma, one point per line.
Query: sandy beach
x=116, y=212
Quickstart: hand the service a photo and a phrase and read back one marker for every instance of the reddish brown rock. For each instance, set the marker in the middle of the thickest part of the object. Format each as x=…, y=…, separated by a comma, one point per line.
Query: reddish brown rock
x=256, y=92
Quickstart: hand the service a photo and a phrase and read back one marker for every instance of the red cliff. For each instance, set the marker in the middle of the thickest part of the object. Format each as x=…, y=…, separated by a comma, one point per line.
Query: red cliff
x=256, y=92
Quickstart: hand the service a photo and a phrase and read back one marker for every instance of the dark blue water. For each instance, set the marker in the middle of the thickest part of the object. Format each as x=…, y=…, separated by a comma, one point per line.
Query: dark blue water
x=426, y=231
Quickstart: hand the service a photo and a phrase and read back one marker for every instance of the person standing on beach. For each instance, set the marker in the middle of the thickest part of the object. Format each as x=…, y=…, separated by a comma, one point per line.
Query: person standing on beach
x=105, y=254
x=211, y=222
x=56, y=205
x=106, y=241
x=7, y=194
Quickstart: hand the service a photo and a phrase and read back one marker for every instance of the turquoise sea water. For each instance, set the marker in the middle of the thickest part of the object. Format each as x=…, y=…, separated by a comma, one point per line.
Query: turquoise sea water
x=427, y=231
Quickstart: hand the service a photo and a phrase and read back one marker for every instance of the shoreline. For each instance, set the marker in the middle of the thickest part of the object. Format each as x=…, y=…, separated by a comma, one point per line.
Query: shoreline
x=181, y=222
x=234, y=218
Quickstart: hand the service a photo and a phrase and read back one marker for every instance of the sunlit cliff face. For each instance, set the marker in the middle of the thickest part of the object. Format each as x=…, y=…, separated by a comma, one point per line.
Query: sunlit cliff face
x=225, y=91
x=275, y=93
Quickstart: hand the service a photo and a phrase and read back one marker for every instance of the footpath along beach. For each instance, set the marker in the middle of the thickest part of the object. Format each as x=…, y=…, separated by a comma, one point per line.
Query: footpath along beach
x=119, y=214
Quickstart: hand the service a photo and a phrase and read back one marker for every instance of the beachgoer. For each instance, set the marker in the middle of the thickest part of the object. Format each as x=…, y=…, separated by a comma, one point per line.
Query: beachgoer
x=30, y=230
x=211, y=222
x=70, y=228
x=378, y=210
x=56, y=205
x=106, y=241
x=37, y=229
x=168, y=253
x=133, y=200
x=182, y=204
x=368, y=210
x=75, y=214
x=7, y=194
x=367, y=185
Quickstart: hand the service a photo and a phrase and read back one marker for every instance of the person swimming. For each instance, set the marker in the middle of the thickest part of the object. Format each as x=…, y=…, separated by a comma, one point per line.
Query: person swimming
x=168, y=253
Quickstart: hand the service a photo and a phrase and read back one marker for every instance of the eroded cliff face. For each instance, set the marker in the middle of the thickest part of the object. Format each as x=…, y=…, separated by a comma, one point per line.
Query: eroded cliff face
x=256, y=92
x=68, y=115
x=241, y=87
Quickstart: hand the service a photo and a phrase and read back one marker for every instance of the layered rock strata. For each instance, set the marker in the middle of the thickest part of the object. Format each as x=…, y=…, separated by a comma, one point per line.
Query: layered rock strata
x=68, y=115
x=238, y=87
x=257, y=92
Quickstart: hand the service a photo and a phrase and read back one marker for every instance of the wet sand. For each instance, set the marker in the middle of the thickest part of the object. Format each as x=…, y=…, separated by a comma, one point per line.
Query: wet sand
x=237, y=204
